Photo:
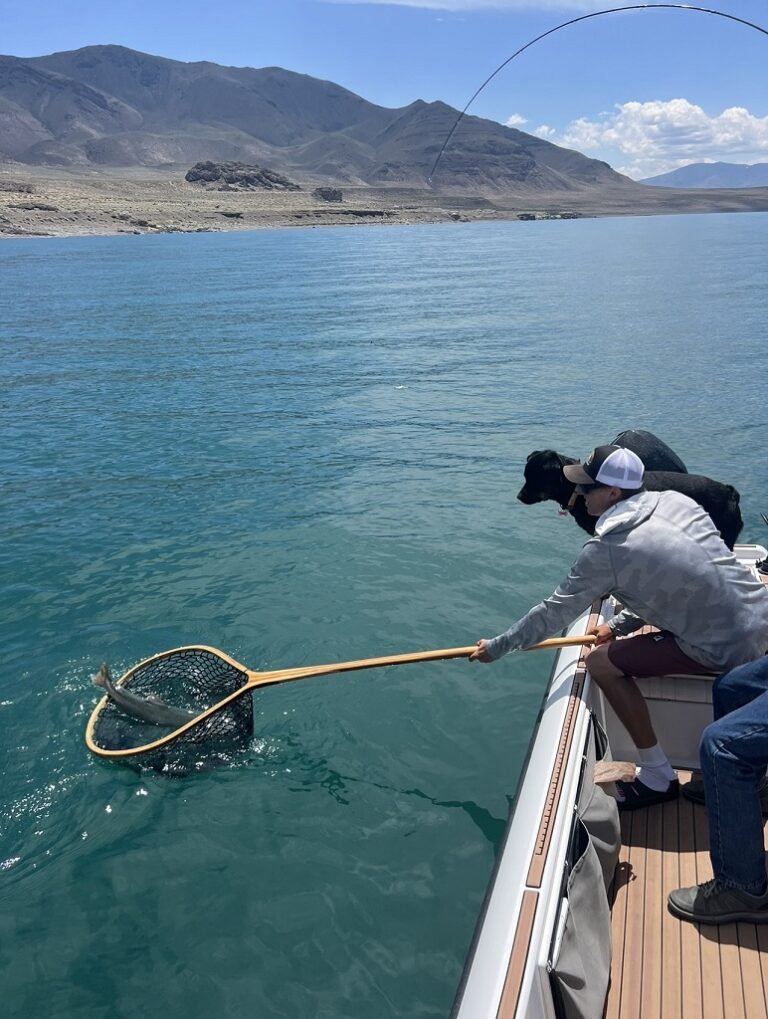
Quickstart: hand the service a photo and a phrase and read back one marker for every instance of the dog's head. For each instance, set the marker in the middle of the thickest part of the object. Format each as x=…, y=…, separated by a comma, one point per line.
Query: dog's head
x=544, y=478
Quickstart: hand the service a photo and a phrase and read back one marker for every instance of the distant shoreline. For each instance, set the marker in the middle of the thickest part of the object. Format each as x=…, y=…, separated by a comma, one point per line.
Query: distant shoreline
x=49, y=202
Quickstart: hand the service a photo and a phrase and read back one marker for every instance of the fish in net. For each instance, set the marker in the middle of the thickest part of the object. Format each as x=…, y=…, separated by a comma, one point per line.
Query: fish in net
x=200, y=698
x=163, y=695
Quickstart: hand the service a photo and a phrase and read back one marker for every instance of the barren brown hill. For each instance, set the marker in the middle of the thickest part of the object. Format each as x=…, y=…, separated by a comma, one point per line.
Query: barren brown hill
x=99, y=140
x=108, y=106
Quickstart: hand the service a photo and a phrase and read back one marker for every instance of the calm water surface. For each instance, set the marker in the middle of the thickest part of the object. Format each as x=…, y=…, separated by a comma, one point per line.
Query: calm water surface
x=304, y=446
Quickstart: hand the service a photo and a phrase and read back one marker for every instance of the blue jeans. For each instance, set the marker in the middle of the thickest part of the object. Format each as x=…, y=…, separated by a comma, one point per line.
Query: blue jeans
x=734, y=756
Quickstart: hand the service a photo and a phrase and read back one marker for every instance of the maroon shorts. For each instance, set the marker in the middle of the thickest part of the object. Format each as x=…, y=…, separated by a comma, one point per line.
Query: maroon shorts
x=653, y=654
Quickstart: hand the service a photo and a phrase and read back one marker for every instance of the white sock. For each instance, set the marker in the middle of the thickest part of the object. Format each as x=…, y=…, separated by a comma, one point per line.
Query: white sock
x=655, y=770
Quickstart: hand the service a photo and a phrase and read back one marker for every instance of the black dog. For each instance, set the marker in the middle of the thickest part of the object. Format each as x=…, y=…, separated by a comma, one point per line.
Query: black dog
x=655, y=454
x=544, y=479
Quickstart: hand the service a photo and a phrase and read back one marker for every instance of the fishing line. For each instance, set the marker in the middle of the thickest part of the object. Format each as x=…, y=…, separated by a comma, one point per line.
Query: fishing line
x=574, y=21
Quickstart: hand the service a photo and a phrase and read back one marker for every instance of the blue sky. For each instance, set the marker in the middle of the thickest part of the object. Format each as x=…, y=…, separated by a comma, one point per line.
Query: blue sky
x=645, y=90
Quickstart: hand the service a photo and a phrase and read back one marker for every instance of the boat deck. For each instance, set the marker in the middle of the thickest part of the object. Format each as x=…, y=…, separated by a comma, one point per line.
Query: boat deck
x=663, y=967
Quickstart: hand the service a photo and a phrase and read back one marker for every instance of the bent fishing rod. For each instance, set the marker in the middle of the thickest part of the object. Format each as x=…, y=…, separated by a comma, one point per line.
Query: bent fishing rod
x=574, y=21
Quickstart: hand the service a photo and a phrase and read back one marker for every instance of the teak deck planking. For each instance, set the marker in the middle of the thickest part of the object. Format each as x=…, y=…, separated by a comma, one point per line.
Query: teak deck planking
x=664, y=968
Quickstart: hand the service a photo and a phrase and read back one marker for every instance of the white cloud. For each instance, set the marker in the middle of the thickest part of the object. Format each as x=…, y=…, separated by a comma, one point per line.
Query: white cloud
x=658, y=136
x=515, y=120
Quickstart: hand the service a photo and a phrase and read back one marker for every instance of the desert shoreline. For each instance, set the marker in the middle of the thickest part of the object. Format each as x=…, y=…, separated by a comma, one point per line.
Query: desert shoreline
x=51, y=202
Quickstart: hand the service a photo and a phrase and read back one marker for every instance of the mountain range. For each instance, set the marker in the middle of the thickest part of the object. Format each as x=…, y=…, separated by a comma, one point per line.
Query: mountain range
x=713, y=175
x=108, y=106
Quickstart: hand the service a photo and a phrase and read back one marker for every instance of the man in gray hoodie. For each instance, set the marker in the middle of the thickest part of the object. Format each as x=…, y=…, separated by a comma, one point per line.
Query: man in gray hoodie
x=660, y=555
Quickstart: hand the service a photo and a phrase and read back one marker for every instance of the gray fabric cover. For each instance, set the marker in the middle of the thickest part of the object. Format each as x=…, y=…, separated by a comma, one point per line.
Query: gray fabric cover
x=597, y=809
x=581, y=971
x=582, y=968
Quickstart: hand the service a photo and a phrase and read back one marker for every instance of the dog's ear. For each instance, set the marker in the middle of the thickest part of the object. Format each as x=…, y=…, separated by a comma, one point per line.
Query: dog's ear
x=545, y=456
x=551, y=458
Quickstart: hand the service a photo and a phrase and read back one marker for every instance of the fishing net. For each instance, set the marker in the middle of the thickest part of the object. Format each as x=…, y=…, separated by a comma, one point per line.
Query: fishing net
x=190, y=680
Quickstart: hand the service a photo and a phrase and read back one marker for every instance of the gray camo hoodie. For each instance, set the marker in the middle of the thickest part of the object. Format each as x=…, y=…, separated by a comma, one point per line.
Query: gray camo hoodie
x=661, y=556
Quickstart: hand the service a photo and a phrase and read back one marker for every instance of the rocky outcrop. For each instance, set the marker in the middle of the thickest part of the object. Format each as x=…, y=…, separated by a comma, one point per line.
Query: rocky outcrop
x=328, y=194
x=33, y=207
x=17, y=186
x=239, y=176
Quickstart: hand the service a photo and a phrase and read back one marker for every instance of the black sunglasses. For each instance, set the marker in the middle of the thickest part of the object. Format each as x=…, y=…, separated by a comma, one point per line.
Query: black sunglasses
x=586, y=489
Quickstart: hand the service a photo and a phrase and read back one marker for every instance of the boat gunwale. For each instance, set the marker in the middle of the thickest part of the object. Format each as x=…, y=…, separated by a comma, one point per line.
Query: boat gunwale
x=533, y=884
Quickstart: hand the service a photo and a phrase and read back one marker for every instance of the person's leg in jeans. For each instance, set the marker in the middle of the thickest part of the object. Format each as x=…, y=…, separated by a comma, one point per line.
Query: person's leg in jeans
x=738, y=687
x=734, y=753
x=730, y=692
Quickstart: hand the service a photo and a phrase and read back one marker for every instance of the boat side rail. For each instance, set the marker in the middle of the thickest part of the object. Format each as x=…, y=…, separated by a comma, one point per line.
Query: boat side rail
x=507, y=972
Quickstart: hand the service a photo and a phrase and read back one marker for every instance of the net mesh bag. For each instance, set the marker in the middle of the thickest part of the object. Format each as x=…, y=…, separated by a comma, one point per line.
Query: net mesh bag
x=190, y=680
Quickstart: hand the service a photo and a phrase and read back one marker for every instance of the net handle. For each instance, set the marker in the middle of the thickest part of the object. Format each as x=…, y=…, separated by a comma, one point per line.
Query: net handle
x=285, y=675
x=257, y=679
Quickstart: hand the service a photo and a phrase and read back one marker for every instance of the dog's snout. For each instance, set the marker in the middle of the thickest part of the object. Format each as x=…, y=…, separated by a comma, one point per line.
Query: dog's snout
x=527, y=497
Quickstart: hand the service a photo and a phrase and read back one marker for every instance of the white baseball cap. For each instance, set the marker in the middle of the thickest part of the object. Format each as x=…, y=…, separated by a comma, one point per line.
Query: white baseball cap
x=608, y=465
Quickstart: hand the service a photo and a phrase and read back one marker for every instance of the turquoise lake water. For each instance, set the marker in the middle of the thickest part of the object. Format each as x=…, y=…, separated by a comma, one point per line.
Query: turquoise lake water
x=301, y=447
